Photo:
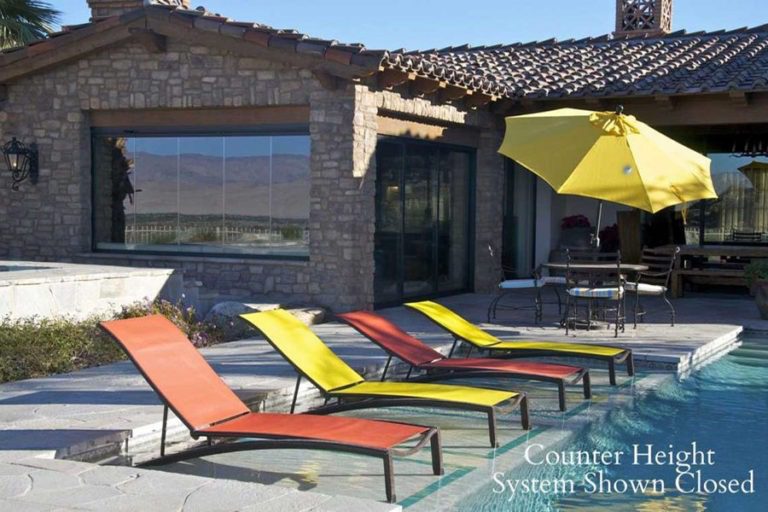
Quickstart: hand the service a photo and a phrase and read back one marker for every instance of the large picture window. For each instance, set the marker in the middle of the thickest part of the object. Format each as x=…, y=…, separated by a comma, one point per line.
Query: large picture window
x=740, y=214
x=202, y=194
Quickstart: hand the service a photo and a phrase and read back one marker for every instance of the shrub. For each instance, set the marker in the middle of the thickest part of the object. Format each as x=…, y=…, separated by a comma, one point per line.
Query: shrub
x=756, y=270
x=35, y=347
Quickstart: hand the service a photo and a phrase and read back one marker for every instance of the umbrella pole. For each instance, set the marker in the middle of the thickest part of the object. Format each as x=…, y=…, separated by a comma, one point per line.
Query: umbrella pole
x=596, y=236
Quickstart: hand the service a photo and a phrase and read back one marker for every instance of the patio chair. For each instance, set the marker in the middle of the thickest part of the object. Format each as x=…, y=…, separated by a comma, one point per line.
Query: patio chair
x=313, y=360
x=654, y=282
x=595, y=287
x=187, y=385
x=464, y=330
x=397, y=343
x=507, y=287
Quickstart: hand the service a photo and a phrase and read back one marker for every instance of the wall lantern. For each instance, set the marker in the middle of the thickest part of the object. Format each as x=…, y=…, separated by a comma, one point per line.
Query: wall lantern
x=21, y=161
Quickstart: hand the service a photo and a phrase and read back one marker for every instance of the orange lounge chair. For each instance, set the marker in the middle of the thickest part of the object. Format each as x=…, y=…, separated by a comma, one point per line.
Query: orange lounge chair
x=400, y=344
x=187, y=385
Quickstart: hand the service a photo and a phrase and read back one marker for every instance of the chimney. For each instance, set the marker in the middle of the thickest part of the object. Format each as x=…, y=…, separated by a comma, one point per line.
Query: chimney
x=107, y=8
x=643, y=18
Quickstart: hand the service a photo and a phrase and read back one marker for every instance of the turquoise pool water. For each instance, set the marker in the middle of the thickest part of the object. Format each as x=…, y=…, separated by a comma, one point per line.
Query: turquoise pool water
x=722, y=407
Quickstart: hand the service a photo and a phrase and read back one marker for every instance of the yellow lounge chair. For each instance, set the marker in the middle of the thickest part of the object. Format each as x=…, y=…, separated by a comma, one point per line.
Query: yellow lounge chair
x=463, y=330
x=335, y=379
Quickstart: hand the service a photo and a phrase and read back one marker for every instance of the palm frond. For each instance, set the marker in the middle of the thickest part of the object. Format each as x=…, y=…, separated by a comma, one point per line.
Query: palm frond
x=23, y=21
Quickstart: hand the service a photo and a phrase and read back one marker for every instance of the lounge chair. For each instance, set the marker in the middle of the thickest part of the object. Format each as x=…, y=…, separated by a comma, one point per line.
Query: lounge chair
x=335, y=379
x=188, y=386
x=398, y=343
x=463, y=330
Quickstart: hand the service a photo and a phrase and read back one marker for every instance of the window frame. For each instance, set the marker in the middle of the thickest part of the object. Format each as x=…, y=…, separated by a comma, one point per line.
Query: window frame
x=201, y=131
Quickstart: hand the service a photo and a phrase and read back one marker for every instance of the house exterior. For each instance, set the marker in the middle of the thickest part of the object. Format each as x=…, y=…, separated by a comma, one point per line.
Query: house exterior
x=264, y=162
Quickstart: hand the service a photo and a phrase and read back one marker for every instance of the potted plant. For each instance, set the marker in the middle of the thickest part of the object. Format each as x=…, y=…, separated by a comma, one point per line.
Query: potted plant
x=575, y=231
x=756, y=274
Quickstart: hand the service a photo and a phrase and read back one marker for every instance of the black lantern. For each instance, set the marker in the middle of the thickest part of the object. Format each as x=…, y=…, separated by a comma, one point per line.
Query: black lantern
x=21, y=162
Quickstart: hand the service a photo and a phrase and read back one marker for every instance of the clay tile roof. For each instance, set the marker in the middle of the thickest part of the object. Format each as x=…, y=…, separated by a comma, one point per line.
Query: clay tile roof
x=678, y=63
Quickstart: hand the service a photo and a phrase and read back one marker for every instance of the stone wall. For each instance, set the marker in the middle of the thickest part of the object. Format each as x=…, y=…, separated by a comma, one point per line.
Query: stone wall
x=52, y=220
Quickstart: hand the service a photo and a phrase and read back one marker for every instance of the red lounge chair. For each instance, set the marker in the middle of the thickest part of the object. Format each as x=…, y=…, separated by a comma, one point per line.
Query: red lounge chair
x=398, y=343
x=187, y=385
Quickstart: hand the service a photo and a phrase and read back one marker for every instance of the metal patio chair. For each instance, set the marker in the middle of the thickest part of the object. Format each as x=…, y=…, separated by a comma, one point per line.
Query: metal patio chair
x=654, y=282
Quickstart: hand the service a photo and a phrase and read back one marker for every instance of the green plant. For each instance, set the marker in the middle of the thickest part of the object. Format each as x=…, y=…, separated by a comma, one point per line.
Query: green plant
x=35, y=347
x=23, y=21
x=755, y=271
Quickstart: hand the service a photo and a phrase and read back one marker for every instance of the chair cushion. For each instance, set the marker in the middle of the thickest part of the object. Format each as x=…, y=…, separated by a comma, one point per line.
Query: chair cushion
x=596, y=293
x=646, y=289
x=518, y=284
x=554, y=280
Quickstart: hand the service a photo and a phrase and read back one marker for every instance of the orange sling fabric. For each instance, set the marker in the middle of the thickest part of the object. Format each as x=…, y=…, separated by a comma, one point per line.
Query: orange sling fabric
x=177, y=371
x=185, y=380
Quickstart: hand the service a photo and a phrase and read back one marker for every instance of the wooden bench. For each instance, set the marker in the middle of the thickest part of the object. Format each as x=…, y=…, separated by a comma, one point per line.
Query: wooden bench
x=727, y=270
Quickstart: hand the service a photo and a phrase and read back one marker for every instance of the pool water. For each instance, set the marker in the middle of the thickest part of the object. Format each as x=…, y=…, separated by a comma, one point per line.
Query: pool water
x=722, y=407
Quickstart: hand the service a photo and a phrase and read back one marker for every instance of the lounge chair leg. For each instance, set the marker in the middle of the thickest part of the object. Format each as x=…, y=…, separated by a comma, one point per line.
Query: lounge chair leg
x=295, y=394
x=469, y=351
x=525, y=417
x=561, y=394
x=437, y=453
x=453, y=347
x=386, y=367
x=630, y=365
x=162, y=434
x=408, y=375
x=389, y=478
x=587, y=382
x=612, y=371
x=492, y=427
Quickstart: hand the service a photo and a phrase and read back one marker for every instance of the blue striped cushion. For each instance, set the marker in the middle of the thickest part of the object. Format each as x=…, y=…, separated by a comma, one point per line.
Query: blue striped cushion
x=596, y=293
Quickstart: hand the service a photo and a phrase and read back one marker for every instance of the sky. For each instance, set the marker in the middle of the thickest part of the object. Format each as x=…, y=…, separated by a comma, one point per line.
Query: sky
x=424, y=24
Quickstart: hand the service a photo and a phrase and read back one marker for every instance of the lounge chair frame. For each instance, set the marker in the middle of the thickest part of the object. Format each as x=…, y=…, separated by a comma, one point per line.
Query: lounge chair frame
x=431, y=435
x=437, y=374
x=366, y=401
x=626, y=357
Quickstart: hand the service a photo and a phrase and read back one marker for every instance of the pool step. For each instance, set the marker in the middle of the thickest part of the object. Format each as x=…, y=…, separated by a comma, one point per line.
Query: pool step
x=759, y=347
x=749, y=361
x=745, y=352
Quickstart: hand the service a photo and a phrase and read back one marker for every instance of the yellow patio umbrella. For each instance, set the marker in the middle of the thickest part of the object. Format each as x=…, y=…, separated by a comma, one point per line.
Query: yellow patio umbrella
x=607, y=156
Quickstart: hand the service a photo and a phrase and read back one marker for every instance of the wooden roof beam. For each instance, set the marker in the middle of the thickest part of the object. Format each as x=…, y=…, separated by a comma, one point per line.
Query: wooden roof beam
x=478, y=99
x=388, y=78
x=740, y=98
x=421, y=86
x=327, y=80
x=452, y=93
x=664, y=101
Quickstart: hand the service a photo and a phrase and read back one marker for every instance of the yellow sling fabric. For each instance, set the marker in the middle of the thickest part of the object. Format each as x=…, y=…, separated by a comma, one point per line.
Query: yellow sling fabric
x=299, y=345
x=469, y=332
x=303, y=349
x=454, y=324
x=441, y=392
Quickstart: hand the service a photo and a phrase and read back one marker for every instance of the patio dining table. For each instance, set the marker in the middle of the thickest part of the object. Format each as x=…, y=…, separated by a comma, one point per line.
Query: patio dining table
x=597, y=268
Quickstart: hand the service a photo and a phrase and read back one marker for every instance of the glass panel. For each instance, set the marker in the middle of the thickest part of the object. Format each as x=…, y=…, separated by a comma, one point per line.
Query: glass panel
x=518, y=228
x=420, y=182
x=201, y=187
x=389, y=221
x=156, y=192
x=290, y=190
x=740, y=214
x=453, y=221
x=202, y=194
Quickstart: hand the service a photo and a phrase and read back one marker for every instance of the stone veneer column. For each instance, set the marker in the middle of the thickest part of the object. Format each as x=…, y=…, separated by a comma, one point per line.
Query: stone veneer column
x=342, y=216
x=488, y=208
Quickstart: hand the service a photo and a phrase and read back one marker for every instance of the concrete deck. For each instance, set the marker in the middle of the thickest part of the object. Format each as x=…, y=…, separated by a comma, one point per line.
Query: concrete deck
x=111, y=413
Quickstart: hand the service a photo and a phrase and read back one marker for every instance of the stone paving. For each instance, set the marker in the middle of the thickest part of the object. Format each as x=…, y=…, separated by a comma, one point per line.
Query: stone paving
x=108, y=413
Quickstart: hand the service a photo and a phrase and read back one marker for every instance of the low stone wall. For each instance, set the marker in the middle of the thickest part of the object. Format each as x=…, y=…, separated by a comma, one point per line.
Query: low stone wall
x=50, y=290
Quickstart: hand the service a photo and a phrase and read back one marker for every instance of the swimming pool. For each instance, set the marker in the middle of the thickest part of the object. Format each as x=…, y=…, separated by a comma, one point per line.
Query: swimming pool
x=718, y=417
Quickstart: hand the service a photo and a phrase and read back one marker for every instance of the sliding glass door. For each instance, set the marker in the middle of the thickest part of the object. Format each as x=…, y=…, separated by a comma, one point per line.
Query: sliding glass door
x=422, y=220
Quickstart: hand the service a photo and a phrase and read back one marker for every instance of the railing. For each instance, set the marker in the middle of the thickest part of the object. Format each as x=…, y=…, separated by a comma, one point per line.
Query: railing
x=171, y=234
